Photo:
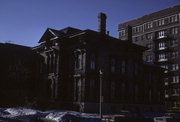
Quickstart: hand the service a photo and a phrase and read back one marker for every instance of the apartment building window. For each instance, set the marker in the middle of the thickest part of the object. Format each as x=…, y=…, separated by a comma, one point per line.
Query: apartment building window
x=149, y=36
x=123, y=66
x=141, y=28
x=175, y=92
x=160, y=22
x=175, y=67
x=149, y=46
x=161, y=45
x=149, y=25
x=175, y=79
x=174, y=54
x=173, y=18
x=162, y=57
x=113, y=65
x=176, y=104
x=160, y=34
x=122, y=33
x=174, y=30
x=149, y=58
x=173, y=43
x=92, y=61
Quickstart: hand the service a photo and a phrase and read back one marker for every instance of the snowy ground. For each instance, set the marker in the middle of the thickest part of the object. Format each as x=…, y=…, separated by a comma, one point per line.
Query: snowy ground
x=31, y=115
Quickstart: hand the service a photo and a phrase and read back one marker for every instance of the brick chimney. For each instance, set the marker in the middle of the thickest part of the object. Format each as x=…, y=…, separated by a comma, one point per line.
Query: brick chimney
x=102, y=23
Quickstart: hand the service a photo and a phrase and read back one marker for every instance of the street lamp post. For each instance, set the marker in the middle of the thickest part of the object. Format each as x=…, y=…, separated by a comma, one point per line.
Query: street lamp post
x=100, y=91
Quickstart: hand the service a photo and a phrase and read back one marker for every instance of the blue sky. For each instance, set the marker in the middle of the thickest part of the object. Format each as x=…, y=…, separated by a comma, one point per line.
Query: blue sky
x=24, y=21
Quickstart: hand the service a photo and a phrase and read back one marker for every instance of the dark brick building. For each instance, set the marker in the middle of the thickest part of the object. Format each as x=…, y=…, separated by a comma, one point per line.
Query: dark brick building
x=160, y=32
x=73, y=59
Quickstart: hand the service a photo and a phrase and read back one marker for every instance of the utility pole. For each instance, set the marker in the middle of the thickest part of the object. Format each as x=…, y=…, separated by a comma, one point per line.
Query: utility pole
x=100, y=91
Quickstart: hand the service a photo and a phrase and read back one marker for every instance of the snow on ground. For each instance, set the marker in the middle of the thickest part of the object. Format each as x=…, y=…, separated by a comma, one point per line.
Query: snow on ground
x=31, y=115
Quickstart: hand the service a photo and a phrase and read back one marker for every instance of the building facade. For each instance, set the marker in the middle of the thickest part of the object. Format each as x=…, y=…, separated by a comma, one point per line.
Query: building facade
x=73, y=59
x=160, y=33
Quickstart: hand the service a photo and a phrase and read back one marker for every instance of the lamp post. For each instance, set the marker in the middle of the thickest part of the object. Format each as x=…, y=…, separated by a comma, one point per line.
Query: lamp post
x=100, y=94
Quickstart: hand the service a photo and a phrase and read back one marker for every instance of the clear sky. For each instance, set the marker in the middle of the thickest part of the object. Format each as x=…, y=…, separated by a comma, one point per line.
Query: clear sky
x=24, y=21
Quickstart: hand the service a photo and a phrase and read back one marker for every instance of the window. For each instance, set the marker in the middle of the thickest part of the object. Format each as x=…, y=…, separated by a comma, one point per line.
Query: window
x=161, y=45
x=174, y=54
x=113, y=65
x=149, y=25
x=175, y=67
x=173, y=18
x=122, y=33
x=149, y=58
x=78, y=61
x=123, y=66
x=162, y=57
x=173, y=43
x=160, y=34
x=174, y=30
x=175, y=79
x=175, y=92
x=149, y=36
x=149, y=46
x=160, y=22
x=92, y=61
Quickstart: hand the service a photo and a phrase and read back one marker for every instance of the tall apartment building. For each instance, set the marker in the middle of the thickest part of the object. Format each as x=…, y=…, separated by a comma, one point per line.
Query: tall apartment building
x=160, y=32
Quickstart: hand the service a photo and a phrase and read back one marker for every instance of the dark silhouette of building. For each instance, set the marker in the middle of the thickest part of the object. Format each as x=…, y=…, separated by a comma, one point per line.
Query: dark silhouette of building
x=160, y=32
x=20, y=76
x=73, y=59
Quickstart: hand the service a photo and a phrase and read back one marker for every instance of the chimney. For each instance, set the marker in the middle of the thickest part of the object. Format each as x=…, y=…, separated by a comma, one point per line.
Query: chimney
x=129, y=33
x=102, y=23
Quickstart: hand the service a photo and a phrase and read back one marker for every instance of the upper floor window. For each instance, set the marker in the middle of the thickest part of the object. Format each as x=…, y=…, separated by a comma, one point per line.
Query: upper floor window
x=161, y=45
x=173, y=18
x=149, y=58
x=123, y=66
x=113, y=65
x=175, y=67
x=92, y=61
x=149, y=36
x=174, y=54
x=175, y=79
x=161, y=34
x=162, y=57
x=174, y=30
x=160, y=22
x=149, y=25
x=122, y=33
x=149, y=46
x=78, y=61
x=173, y=43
